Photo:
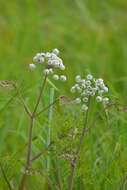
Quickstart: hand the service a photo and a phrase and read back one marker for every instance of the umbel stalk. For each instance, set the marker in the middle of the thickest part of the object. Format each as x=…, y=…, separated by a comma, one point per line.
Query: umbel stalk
x=29, y=150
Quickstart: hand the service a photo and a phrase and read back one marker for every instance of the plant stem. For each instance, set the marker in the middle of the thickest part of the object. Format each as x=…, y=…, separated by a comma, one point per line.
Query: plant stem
x=30, y=143
x=22, y=101
x=39, y=97
x=40, y=154
x=46, y=108
x=29, y=151
x=50, y=117
x=77, y=153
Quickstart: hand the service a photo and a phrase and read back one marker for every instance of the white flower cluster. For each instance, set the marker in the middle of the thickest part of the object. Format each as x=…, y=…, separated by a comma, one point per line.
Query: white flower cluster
x=89, y=87
x=51, y=61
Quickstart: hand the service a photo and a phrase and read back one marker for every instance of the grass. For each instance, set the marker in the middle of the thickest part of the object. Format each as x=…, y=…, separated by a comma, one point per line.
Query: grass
x=91, y=36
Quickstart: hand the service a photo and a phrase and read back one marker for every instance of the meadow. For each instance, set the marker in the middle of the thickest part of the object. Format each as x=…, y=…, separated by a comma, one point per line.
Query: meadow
x=91, y=36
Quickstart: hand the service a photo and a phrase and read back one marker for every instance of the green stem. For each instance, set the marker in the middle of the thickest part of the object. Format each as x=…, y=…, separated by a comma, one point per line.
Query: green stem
x=22, y=101
x=50, y=116
x=78, y=150
x=39, y=97
x=29, y=151
x=47, y=107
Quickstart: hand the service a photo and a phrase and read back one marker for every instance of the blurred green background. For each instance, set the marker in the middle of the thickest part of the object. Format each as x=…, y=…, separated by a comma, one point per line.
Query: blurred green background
x=91, y=34
x=92, y=37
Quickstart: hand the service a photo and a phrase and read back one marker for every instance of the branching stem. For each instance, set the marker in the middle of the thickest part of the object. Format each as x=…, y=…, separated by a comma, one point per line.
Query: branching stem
x=47, y=107
x=29, y=151
x=22, y=101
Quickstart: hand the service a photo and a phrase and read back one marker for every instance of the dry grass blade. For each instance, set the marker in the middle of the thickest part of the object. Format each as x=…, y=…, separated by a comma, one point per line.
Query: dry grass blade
x=64, y=100
x=8, y=84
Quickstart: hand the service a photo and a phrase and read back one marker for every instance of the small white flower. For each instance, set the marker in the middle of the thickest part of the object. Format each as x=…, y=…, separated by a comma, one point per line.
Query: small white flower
x=53, y=56
x=105, y=89
x=83, y=81
x=83, y=93
x=42, y=54
x=35, y=59
x=95, y=89
x=62, y=67
x=50, y=62
x=78, y=78
x=38, y=54
x=93, y=93
x=63, y=78
x=48, y=55
x=55, y=63
x=88, y=92
x=101, y=85
x=89, y=77
x=56, y=51
x=105, y=100
x=41, y=60
x=55, y=77
x=85, y=99
x=46, y=72
x=99, y=82
x=88, y=82
x=73, y=90
x=76, y=85
x=77, y=100
x=84, y=108
x=83, y=85
x=79, y=90
x=100, y=92
x=90, y=88
x=32, y=66
x=50, y=71
x=99, y=99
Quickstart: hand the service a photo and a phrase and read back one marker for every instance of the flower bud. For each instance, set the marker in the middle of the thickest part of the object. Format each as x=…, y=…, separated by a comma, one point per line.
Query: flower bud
x=55, y=77
x=63, y=78
x=32, y=66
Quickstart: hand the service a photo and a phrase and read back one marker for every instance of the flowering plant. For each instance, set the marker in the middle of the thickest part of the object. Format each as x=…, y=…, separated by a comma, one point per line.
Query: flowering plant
x=83, y=91
x=51, y=62
x=89, y=87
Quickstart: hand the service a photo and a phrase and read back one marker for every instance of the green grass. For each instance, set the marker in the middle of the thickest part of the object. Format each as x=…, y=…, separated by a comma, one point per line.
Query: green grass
x=92, y=37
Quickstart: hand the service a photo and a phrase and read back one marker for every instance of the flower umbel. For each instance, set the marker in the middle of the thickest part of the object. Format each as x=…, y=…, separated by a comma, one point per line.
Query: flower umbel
x=89, y=87
x=52, y=63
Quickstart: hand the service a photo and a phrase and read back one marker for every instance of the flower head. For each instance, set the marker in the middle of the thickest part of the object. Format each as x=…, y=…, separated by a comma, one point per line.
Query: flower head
x=89, y=87
x=51, y=62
